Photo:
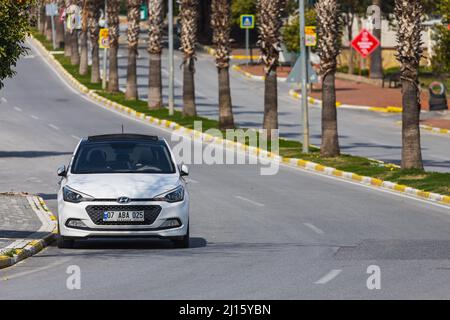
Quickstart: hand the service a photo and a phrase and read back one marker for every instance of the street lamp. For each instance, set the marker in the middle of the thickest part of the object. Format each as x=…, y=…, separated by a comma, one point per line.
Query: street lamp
x=171, y=62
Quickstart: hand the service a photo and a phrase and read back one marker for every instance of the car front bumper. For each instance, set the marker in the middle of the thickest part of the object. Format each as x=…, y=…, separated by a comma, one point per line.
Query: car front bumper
x=177, y=210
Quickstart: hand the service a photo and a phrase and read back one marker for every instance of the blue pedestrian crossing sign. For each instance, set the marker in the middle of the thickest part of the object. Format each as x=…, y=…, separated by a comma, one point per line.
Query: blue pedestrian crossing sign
x=247, y=21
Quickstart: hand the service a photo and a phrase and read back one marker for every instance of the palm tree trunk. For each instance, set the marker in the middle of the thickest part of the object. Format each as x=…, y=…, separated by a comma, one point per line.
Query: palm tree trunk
x=330, y=141
x=189, y=108
x=226, y=120
x=113, y=25
x=74, y=54
x=42, y=18
x=67, y=43
x=271, y=102
x=94, y=29
x=411, y=151
x=154, y=82
x=376, y=60
x=131, y=92
x=83, y=70
x=59, y=26
x=113, y=80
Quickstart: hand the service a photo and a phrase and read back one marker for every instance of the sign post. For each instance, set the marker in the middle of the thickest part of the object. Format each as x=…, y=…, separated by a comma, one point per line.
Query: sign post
x=303, y=77
x=247, y=23
x=105, y=48
x=171, y=61
x=51, y=10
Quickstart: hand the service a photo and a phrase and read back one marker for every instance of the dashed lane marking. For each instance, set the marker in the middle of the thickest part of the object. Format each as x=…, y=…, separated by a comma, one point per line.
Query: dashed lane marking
x=329, y=276
x=313, y=228
x=53, y=126
x=250, y=201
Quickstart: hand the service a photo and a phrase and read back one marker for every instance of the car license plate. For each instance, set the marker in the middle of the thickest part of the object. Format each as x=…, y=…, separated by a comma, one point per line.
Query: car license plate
x=123, y=216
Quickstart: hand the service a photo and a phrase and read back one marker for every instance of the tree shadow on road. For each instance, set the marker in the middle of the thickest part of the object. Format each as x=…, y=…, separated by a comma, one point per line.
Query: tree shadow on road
x=31, y=154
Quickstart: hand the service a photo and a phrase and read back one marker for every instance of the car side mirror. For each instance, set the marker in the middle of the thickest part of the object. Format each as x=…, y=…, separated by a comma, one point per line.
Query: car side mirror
x=62, y=171
x=184, y=170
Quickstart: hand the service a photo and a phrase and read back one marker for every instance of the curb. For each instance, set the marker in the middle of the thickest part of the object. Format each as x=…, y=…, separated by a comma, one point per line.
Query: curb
x=252, y=76
x=252, y=151
x=25, y=248
x=340, y=105
x=435, y=130
x=211, y=51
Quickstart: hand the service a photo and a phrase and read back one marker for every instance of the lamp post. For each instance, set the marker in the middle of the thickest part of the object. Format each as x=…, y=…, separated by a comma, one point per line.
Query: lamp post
x=171, y=62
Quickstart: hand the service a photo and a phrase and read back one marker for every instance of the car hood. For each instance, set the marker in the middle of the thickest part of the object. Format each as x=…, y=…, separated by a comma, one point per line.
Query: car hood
x=112, y=186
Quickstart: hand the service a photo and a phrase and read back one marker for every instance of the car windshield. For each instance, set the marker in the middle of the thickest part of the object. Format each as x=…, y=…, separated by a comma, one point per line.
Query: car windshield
x=122, y=157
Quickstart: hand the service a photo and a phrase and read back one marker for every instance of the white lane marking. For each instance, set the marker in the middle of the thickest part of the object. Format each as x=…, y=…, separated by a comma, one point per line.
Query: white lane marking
x=189, y=180
x=75, y=137
x=53, y=126
x=250, y=201
x=313, y=228
x=18, y=109
x=4, y=100
x=329, y=276
x=21, y=274
x=34, y=117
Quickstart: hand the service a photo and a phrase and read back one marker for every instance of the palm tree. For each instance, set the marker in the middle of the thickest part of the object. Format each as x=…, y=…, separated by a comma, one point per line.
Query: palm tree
x=74, y=53
x=59, y=26
x=329, y=21
x=113, y=26
x=83, y=70
x=269, y=24
x=94, y=29
x=67, y=34
x=409, y=14
x=133, y=13
x=188, y=17
x=41, y=16
x=221, y=25
x=155, y=21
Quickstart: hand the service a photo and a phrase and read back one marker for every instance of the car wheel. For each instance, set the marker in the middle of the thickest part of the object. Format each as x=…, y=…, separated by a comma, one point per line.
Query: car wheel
x=182, y=243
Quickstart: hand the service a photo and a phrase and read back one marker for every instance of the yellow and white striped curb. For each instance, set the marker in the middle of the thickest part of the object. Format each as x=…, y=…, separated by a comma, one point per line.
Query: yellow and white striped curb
x=212, y=52
x=252, y=76
x=293, y=93
x=261, y=153
x=25, y=248
x=431, y=129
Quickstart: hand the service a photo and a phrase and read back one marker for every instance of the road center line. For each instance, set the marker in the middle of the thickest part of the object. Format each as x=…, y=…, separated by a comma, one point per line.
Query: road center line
x=75, y=137
x=250, y=201
x=34, y=117
x=4, y=100
x=18, y=109
x=53, y=126
x=313, y=228
x=189, y=180
x=329, y=276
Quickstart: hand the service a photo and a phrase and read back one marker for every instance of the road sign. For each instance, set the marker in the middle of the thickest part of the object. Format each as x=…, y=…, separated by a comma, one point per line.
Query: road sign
x=51, y=9
x=73, y=17
x=295, y=77
x=365, y=43
x=247, y=21
x=103, y=39
x=310, y=36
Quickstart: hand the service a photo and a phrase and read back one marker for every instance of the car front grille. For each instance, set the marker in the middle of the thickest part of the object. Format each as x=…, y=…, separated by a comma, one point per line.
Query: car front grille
x=96, y=214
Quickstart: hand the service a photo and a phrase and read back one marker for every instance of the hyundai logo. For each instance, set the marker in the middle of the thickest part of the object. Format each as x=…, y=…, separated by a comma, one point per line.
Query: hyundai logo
x=123, y=200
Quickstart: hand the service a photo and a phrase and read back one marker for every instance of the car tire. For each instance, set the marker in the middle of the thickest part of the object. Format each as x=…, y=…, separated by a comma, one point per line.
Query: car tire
x=182, y=243
x=64, y=243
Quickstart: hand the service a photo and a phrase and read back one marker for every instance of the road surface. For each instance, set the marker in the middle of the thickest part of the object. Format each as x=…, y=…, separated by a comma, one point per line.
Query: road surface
x=288, y=236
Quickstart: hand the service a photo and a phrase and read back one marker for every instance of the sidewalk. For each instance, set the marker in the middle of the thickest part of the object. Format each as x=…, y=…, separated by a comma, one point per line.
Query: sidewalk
x=26, y=226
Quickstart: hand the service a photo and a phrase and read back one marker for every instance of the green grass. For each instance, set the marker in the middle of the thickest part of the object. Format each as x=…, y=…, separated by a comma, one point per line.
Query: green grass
x=427, y=181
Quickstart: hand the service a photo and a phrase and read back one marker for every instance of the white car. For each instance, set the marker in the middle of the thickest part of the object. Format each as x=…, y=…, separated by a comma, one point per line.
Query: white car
x=123, y=185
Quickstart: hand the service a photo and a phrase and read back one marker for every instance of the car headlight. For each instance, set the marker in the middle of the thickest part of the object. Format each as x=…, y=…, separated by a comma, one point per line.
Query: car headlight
x=73, y=196
x=174, y=195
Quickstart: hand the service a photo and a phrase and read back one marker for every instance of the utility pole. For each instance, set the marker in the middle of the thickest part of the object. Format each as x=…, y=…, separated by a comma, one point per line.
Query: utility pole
x=171, y=62
x=303, y=76
x=105, y=51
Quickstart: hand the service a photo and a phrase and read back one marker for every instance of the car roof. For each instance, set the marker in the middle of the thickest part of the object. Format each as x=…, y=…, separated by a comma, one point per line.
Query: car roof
x=123, y=137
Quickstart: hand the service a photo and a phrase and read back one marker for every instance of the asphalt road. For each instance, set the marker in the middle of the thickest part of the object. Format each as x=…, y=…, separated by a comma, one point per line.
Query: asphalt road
x=363, y=133
x=288, y=236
